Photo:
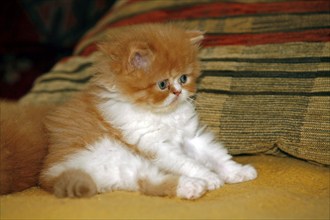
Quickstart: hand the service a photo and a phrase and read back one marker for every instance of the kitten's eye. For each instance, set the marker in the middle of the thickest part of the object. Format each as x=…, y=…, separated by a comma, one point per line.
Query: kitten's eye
x=183, y=79
x=163, y=84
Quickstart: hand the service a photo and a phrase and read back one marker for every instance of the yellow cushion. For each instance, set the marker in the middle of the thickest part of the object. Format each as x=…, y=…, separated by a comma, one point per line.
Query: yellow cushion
x=285, y=188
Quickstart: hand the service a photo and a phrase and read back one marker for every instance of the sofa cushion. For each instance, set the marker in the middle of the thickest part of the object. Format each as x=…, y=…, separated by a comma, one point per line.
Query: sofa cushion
x=286, y=188
x=265, y=84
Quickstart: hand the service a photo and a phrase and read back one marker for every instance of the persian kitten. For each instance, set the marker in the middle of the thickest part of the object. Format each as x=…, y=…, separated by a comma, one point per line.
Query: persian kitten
x=135, y=128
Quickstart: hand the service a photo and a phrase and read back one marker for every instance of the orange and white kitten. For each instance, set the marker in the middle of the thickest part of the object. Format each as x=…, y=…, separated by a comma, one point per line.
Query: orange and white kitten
x=134, y=128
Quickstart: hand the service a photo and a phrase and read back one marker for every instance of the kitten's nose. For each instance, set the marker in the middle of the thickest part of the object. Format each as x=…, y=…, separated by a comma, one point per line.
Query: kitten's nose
x=177, y=92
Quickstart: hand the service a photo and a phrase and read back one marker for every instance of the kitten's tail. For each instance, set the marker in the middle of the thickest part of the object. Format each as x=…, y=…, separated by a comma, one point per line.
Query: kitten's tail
x=23, y=145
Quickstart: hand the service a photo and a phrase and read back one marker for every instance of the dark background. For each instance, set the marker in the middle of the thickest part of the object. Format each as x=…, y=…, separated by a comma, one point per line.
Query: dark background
x=37, y=33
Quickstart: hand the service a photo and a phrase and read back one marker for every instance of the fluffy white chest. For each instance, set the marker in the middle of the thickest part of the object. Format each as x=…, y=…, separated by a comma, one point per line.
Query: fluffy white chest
x=136, y=123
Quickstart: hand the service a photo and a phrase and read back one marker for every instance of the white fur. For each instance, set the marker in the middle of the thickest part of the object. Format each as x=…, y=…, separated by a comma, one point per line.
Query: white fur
x=180, y=144
x=181, y=147
x=190, y=188
x=111, y=165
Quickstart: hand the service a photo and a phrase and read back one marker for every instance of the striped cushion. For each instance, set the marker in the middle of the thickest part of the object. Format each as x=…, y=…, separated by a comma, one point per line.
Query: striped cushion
x=265, y=86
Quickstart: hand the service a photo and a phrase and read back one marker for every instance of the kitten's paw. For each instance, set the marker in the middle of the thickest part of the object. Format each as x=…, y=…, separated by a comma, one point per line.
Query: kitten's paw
x=74, y=183
x=213, y=181
x=191, y=188
x=244, y=173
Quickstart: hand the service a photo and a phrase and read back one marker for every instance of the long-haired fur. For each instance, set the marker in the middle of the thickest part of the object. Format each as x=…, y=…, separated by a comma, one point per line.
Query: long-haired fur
x=23, y=145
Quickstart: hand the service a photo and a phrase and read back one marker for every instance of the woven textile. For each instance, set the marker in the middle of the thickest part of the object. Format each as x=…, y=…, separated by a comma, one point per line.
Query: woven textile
x=265, y=84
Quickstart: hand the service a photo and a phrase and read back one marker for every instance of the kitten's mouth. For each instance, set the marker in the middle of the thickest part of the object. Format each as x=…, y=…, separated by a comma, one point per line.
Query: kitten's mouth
x=176, y=100
x=168, y=106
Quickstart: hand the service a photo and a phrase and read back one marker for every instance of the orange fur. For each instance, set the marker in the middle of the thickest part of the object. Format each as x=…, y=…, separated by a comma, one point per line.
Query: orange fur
x=73, y=126
x=23, y=145
x=162, y=46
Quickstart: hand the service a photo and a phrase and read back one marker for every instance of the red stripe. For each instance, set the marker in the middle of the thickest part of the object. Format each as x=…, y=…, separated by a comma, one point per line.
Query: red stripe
x=218, y=9
x=224, y=9
x=89, y=49
x=134, y=1
x=322, y=35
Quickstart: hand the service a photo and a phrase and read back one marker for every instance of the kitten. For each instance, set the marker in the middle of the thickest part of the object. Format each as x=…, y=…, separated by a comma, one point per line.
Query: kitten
x=23, y=145
x=135, y=128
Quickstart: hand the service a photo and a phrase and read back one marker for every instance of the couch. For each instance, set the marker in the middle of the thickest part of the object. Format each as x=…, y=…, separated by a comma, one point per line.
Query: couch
x=264, y=92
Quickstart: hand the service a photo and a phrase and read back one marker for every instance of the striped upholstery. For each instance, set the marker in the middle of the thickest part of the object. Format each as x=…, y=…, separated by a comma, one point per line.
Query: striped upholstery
x=265, y=86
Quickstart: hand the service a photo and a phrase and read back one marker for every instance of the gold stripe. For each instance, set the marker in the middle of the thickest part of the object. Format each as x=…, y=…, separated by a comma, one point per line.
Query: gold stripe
x=315, y=134
x=245, y=66
x=46, y=98
x=285, y=50
x=271, y=84
x=58, y=85
x=322, y=84
x=209, y=108
x=259, y=24
x=71, y=76
x=258, y=84
x=74, y=62
x=275, y=23
x=214, y=82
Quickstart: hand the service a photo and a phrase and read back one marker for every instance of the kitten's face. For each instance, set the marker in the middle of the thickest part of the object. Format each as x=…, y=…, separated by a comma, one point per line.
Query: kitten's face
x=154, y=66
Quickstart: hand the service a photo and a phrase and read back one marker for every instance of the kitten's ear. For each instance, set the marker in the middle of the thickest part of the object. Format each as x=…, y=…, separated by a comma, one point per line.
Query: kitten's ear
x=195, y=36
x=140, y=56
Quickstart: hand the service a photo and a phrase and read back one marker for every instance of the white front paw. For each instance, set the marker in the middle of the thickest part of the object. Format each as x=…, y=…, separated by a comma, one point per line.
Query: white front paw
x=191, y=188
x=213, y=181
x=244, y=173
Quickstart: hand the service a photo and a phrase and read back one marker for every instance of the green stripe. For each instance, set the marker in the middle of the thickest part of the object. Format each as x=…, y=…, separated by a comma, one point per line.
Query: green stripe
x=81, y=80
x=77, y=69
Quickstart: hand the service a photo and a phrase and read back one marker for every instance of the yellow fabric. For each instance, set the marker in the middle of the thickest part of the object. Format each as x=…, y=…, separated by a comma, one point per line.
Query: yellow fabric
x=285, y=188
